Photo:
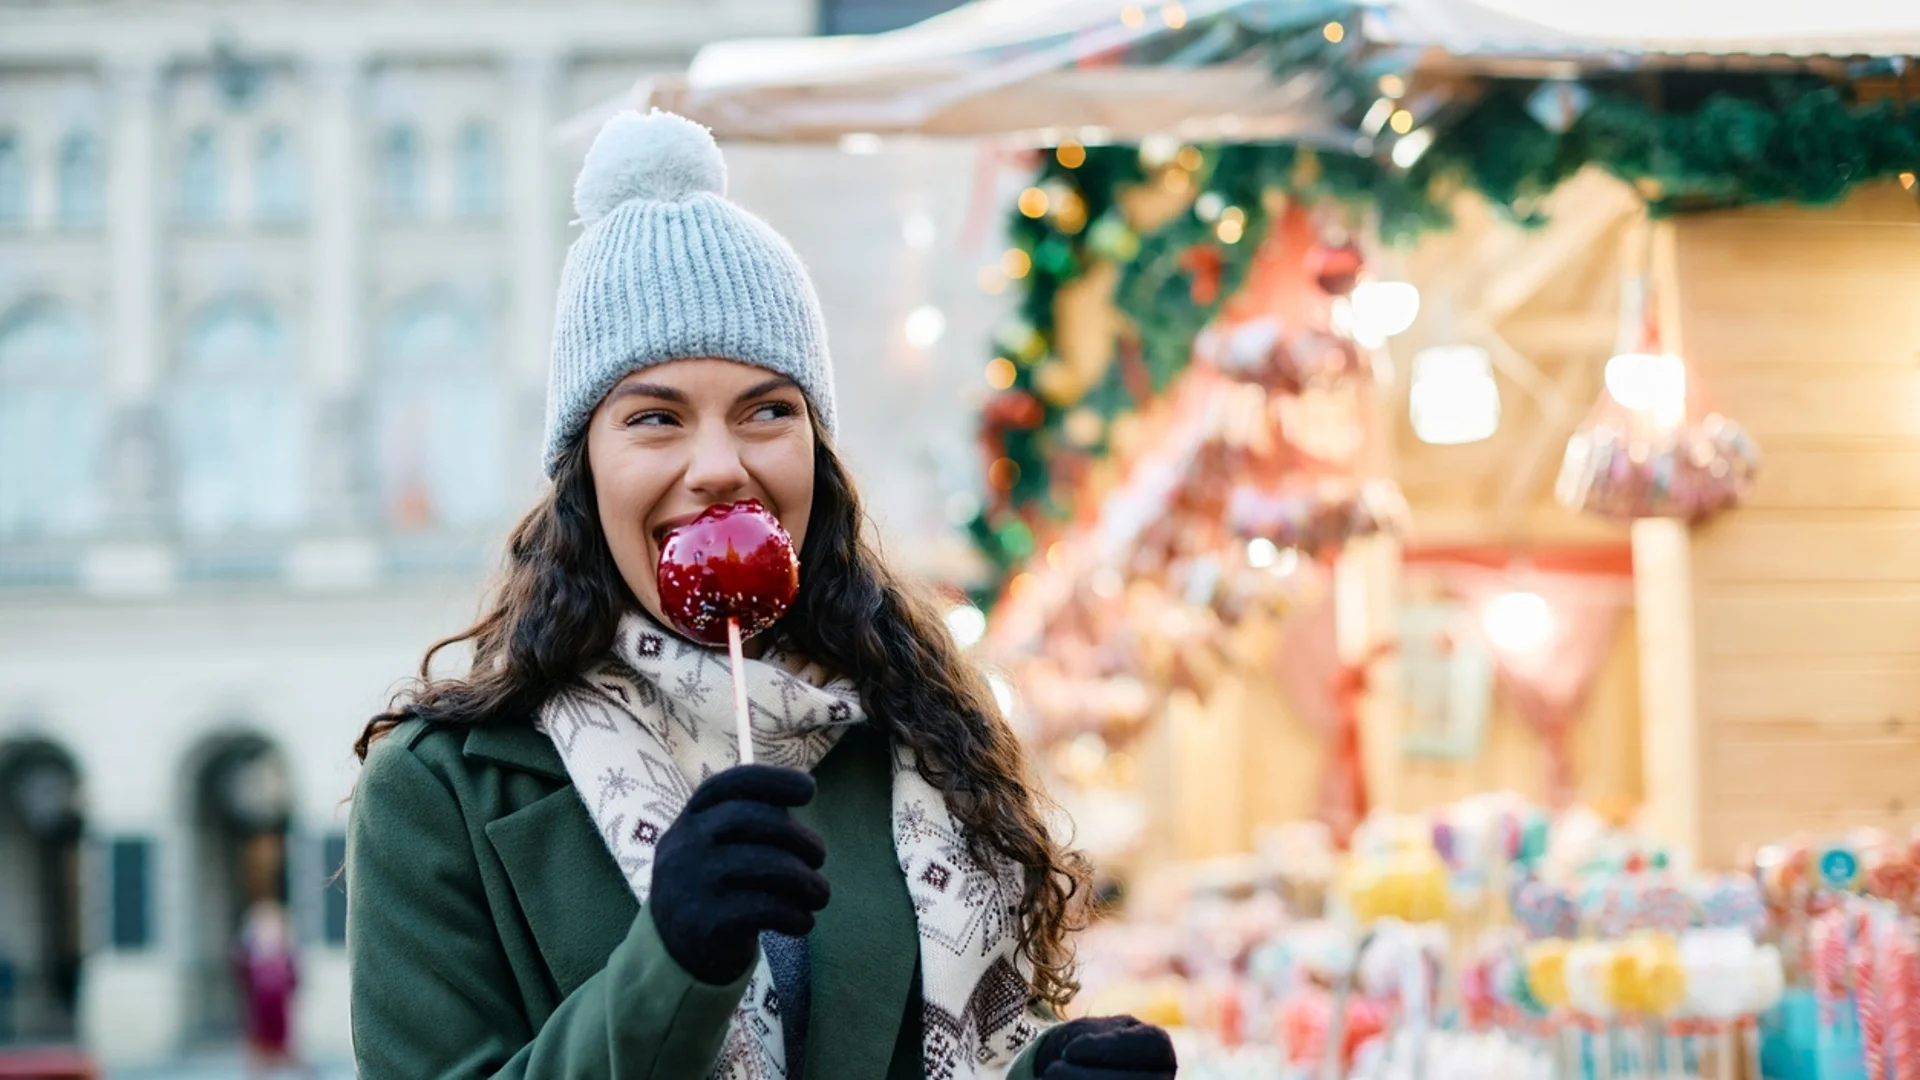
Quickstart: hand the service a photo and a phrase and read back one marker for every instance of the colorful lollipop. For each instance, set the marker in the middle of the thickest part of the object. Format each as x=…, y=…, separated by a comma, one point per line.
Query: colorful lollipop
x=725, y=576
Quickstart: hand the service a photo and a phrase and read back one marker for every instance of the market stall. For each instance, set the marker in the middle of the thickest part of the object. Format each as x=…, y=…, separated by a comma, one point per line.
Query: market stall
x=1385, y=567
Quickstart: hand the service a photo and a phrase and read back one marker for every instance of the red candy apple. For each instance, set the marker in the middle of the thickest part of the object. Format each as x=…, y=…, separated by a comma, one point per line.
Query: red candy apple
x=731, y=562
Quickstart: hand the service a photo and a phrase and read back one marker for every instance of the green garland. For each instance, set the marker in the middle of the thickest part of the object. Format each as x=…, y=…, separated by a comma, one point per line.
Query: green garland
x=1687, y=142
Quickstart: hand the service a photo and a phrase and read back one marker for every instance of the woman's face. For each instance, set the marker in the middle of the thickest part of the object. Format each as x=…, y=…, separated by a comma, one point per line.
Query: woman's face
x=676, y=438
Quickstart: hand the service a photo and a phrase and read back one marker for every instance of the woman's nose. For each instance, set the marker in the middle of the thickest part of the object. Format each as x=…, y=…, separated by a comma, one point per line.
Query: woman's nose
x=715, y=470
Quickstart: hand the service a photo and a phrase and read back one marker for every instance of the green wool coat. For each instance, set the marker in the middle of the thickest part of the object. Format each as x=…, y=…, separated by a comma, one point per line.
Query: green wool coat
x=490, y=933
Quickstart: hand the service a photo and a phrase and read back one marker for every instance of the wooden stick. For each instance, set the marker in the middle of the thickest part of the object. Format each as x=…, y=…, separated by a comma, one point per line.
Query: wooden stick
x=740, y=692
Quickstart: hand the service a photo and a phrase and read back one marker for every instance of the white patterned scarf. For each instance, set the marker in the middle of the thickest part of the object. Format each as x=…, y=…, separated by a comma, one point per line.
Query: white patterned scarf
x=656, y=719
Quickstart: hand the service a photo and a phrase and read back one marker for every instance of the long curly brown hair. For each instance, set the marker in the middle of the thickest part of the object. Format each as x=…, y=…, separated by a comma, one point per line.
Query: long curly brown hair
x=556, y=607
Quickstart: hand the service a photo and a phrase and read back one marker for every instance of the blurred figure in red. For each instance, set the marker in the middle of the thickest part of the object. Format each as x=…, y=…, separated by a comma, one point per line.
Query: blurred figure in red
x=269, y=973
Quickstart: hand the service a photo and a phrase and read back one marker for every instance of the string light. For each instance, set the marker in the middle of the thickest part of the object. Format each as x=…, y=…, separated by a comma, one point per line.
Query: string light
x=1084, y=426
x=1056, y=554
x=1518, y=622
x=924, y=326
x=967, y=624
x=1133, y=17
x=1189, y=158
x=1393, y=86
x=1020, y=584
x=1178, y=181
x=1232, y=226
x=1071, y=154
x=1382, y=309
x=1906, y=180
x=1069, y=211
x=1157, y=150
x=1016, y=264
x=1002, y=694
x=1408, y=150
x=1261, y=553
x=1033, y=202
x=1655, y=385
x=1003, y=473
x=1454, y=399
x=1173, y=15
x=860, y=143
x=1334, y=32
x=1000, y=373
x=1401, y=121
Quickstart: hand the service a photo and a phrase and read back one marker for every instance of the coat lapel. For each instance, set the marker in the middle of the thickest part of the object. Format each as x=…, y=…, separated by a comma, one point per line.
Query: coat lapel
x=575, y=901
x=865, y=942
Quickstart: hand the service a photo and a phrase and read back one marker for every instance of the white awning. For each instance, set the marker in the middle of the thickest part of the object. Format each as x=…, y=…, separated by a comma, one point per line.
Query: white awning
x=1577, y=29
x=1018, y=68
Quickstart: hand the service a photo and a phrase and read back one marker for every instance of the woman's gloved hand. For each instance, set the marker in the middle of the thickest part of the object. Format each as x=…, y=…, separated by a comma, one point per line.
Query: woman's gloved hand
x=1104, y=1048
x=733, y=864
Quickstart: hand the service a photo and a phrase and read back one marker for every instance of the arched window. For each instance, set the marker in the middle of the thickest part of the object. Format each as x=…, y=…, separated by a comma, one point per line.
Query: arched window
x=476, y=177
x=203, y=190
x=277, y=191
x=80, y=195
x=236, y=422
x=51, y=427
x=14, y=187
x=402, y=179
x=441, y=417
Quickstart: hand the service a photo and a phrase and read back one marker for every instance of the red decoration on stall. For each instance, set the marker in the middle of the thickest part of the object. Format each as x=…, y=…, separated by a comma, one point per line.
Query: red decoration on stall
x=1205, y=266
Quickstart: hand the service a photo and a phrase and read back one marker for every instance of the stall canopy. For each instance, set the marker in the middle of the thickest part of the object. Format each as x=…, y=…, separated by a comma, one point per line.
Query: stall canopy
x=1044, y=70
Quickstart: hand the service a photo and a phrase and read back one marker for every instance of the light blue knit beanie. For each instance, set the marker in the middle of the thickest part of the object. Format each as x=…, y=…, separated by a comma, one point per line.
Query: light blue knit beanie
x=669, y=269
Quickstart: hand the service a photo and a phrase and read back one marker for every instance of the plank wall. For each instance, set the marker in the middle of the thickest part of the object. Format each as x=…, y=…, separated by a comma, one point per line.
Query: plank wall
x=1806, y=326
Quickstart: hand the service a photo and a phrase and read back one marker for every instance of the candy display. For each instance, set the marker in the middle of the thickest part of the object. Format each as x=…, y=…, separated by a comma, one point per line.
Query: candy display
x=1691, y=473
x=1592, y=954
x=1310, y=520
x=1280, y=359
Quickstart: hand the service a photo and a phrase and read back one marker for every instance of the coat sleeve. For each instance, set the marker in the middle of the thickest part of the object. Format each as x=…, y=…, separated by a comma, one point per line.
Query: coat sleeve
x=432, y=992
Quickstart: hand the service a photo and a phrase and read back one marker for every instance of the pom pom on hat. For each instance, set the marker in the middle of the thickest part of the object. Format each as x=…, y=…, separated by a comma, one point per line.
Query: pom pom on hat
x=657, y=156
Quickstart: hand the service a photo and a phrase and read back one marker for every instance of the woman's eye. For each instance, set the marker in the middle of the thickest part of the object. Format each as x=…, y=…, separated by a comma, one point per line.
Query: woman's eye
x=774, y=410
x=655, y=418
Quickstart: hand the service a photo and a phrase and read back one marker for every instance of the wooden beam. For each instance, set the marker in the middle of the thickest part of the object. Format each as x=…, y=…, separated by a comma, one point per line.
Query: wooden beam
x=1546, y=441
x=1663, y=559
x=1570, y=333
x=1581, y=214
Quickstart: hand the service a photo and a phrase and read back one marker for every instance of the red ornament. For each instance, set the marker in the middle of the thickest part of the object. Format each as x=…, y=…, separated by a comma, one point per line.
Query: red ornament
x=1204, y=265
x=1335, y=269
x=731, y=562
x=1014, y=410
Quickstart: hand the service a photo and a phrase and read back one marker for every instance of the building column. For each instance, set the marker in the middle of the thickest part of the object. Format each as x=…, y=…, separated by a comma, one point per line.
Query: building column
x=137, y=337
x=536, y=240
x=336, y=334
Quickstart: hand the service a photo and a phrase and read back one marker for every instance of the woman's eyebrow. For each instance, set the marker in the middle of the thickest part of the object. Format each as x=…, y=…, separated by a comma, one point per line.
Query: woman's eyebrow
x=778, y=382
x=652, y=390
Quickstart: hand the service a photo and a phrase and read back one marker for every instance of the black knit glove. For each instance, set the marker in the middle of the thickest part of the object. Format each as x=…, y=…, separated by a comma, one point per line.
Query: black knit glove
x=1104, y=1048
x=733, y=864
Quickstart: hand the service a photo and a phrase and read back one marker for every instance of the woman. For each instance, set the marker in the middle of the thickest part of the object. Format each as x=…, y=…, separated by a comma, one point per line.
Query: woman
x=268, y=973
x=556, y=866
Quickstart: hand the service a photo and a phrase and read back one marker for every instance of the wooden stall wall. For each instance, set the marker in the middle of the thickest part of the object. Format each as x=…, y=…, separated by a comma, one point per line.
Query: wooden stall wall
x=1806, y=326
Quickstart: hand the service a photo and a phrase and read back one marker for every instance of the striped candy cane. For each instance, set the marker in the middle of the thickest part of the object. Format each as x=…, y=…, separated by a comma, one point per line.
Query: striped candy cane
x=1827, y=939
x=1900, y=974
x=1866, y=984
